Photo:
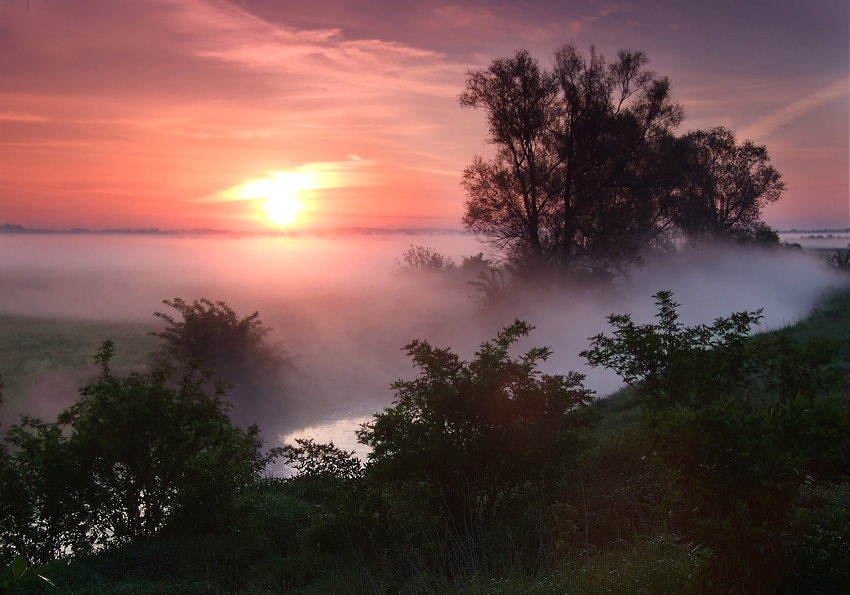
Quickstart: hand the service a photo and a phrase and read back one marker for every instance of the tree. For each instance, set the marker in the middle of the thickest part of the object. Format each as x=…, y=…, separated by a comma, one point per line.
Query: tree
x=470, y=436
x=726, y=186
x=513, y=196
x=581, y=175
x=133, y=456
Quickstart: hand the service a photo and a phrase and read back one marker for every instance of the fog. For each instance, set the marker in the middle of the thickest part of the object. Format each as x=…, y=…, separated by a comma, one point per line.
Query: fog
x=339, y=307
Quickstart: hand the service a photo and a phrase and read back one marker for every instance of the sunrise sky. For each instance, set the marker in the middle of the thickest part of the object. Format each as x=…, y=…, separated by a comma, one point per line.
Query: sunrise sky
x=194, y=113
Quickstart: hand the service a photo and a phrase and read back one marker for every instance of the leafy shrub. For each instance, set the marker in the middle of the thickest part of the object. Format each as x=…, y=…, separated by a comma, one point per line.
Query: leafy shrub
x=668, y=363
x=745, y=424
x=18, y=573
x=213, y=333
x=468, y=438
x=423, y=259
x=823, y=567
x=133, y=456
x=234, y=348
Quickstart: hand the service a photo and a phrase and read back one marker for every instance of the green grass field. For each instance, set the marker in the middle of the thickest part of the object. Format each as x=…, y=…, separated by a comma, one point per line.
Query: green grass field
x=32, y=348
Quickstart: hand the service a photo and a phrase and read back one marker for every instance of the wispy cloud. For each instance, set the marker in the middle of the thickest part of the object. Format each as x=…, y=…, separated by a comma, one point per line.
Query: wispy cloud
x=22, y=117
x=772, y=122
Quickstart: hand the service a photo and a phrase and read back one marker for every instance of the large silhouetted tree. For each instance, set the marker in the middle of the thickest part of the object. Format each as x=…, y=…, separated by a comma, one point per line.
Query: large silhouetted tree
x=581, y=177
x=727, y=184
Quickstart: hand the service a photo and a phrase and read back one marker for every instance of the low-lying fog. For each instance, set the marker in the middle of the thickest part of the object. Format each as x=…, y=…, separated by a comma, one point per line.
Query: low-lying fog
x=336, y=303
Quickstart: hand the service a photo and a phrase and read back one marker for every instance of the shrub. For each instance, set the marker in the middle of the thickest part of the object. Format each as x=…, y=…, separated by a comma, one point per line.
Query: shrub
x=745, y=424
x=213, y=333
x=423, y=259
x=133, y=456
x=468, y=438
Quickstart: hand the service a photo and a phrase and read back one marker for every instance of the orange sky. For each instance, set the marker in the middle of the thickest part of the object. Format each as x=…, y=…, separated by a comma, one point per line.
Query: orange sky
x=159, y=113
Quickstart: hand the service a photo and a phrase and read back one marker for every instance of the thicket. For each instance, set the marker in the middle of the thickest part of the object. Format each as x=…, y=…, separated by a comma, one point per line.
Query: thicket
x=723, y=468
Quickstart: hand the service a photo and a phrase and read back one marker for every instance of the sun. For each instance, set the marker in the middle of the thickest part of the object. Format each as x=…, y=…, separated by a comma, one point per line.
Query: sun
x=280, y=194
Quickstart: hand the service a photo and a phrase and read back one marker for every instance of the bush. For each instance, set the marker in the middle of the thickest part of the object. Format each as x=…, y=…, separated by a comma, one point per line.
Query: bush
x=746, y=425
x=211, y=332
x=468, y=438
x=133, y=456
x=423, y=259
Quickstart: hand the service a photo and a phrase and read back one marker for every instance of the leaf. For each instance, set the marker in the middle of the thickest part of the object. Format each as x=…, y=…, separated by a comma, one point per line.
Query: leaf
x=19, y=566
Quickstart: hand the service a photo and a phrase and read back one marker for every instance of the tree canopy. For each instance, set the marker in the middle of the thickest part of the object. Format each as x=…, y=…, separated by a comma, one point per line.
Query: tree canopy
x=726, y=186
x=575, y=150
x=133, y=456
x=587, y=173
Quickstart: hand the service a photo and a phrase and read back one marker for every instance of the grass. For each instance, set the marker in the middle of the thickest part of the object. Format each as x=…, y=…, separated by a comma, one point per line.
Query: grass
x=830, y=318
x=31, y=348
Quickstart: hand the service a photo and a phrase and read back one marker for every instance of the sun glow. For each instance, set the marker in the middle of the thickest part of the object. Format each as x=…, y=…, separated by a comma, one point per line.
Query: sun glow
x=281, y=193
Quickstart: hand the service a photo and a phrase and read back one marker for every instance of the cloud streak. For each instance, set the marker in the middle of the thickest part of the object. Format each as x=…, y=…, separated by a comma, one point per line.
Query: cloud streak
x=771, y=123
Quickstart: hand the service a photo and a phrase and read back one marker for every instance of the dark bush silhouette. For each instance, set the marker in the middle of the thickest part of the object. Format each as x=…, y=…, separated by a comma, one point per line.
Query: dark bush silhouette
x=234, y=348
x=471, y=437
x=134, y=456
x=214, y=334
x=423, y=259
x=748, y=426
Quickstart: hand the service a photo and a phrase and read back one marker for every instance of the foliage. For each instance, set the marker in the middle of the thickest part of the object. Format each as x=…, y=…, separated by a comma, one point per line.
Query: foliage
x=40, y=511
x=727, y=184
x=19, y=573
x=423, y=259
x=211, y=332
x=132, y=457
x=313, y=460
x=469, y=437
x=840, y=260
x=823, y=566
x=668, y=363
x=720, y=471
x=745, y=424
x=583, y=167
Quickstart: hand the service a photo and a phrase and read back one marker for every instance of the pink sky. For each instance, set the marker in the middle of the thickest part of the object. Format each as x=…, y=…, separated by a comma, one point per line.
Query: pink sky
x=158, y=113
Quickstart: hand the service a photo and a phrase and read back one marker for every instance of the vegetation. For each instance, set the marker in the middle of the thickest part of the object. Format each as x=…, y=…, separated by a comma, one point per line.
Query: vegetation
x=587, y=173
x=718, y=471
x=476, y=437
x=211, y=332
x=133, y=457
x=424, y=259
x=235, y=349
x=726, y=186
x=747, y=426
x=840, y=260
x=17, y=574
x=721, y=469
